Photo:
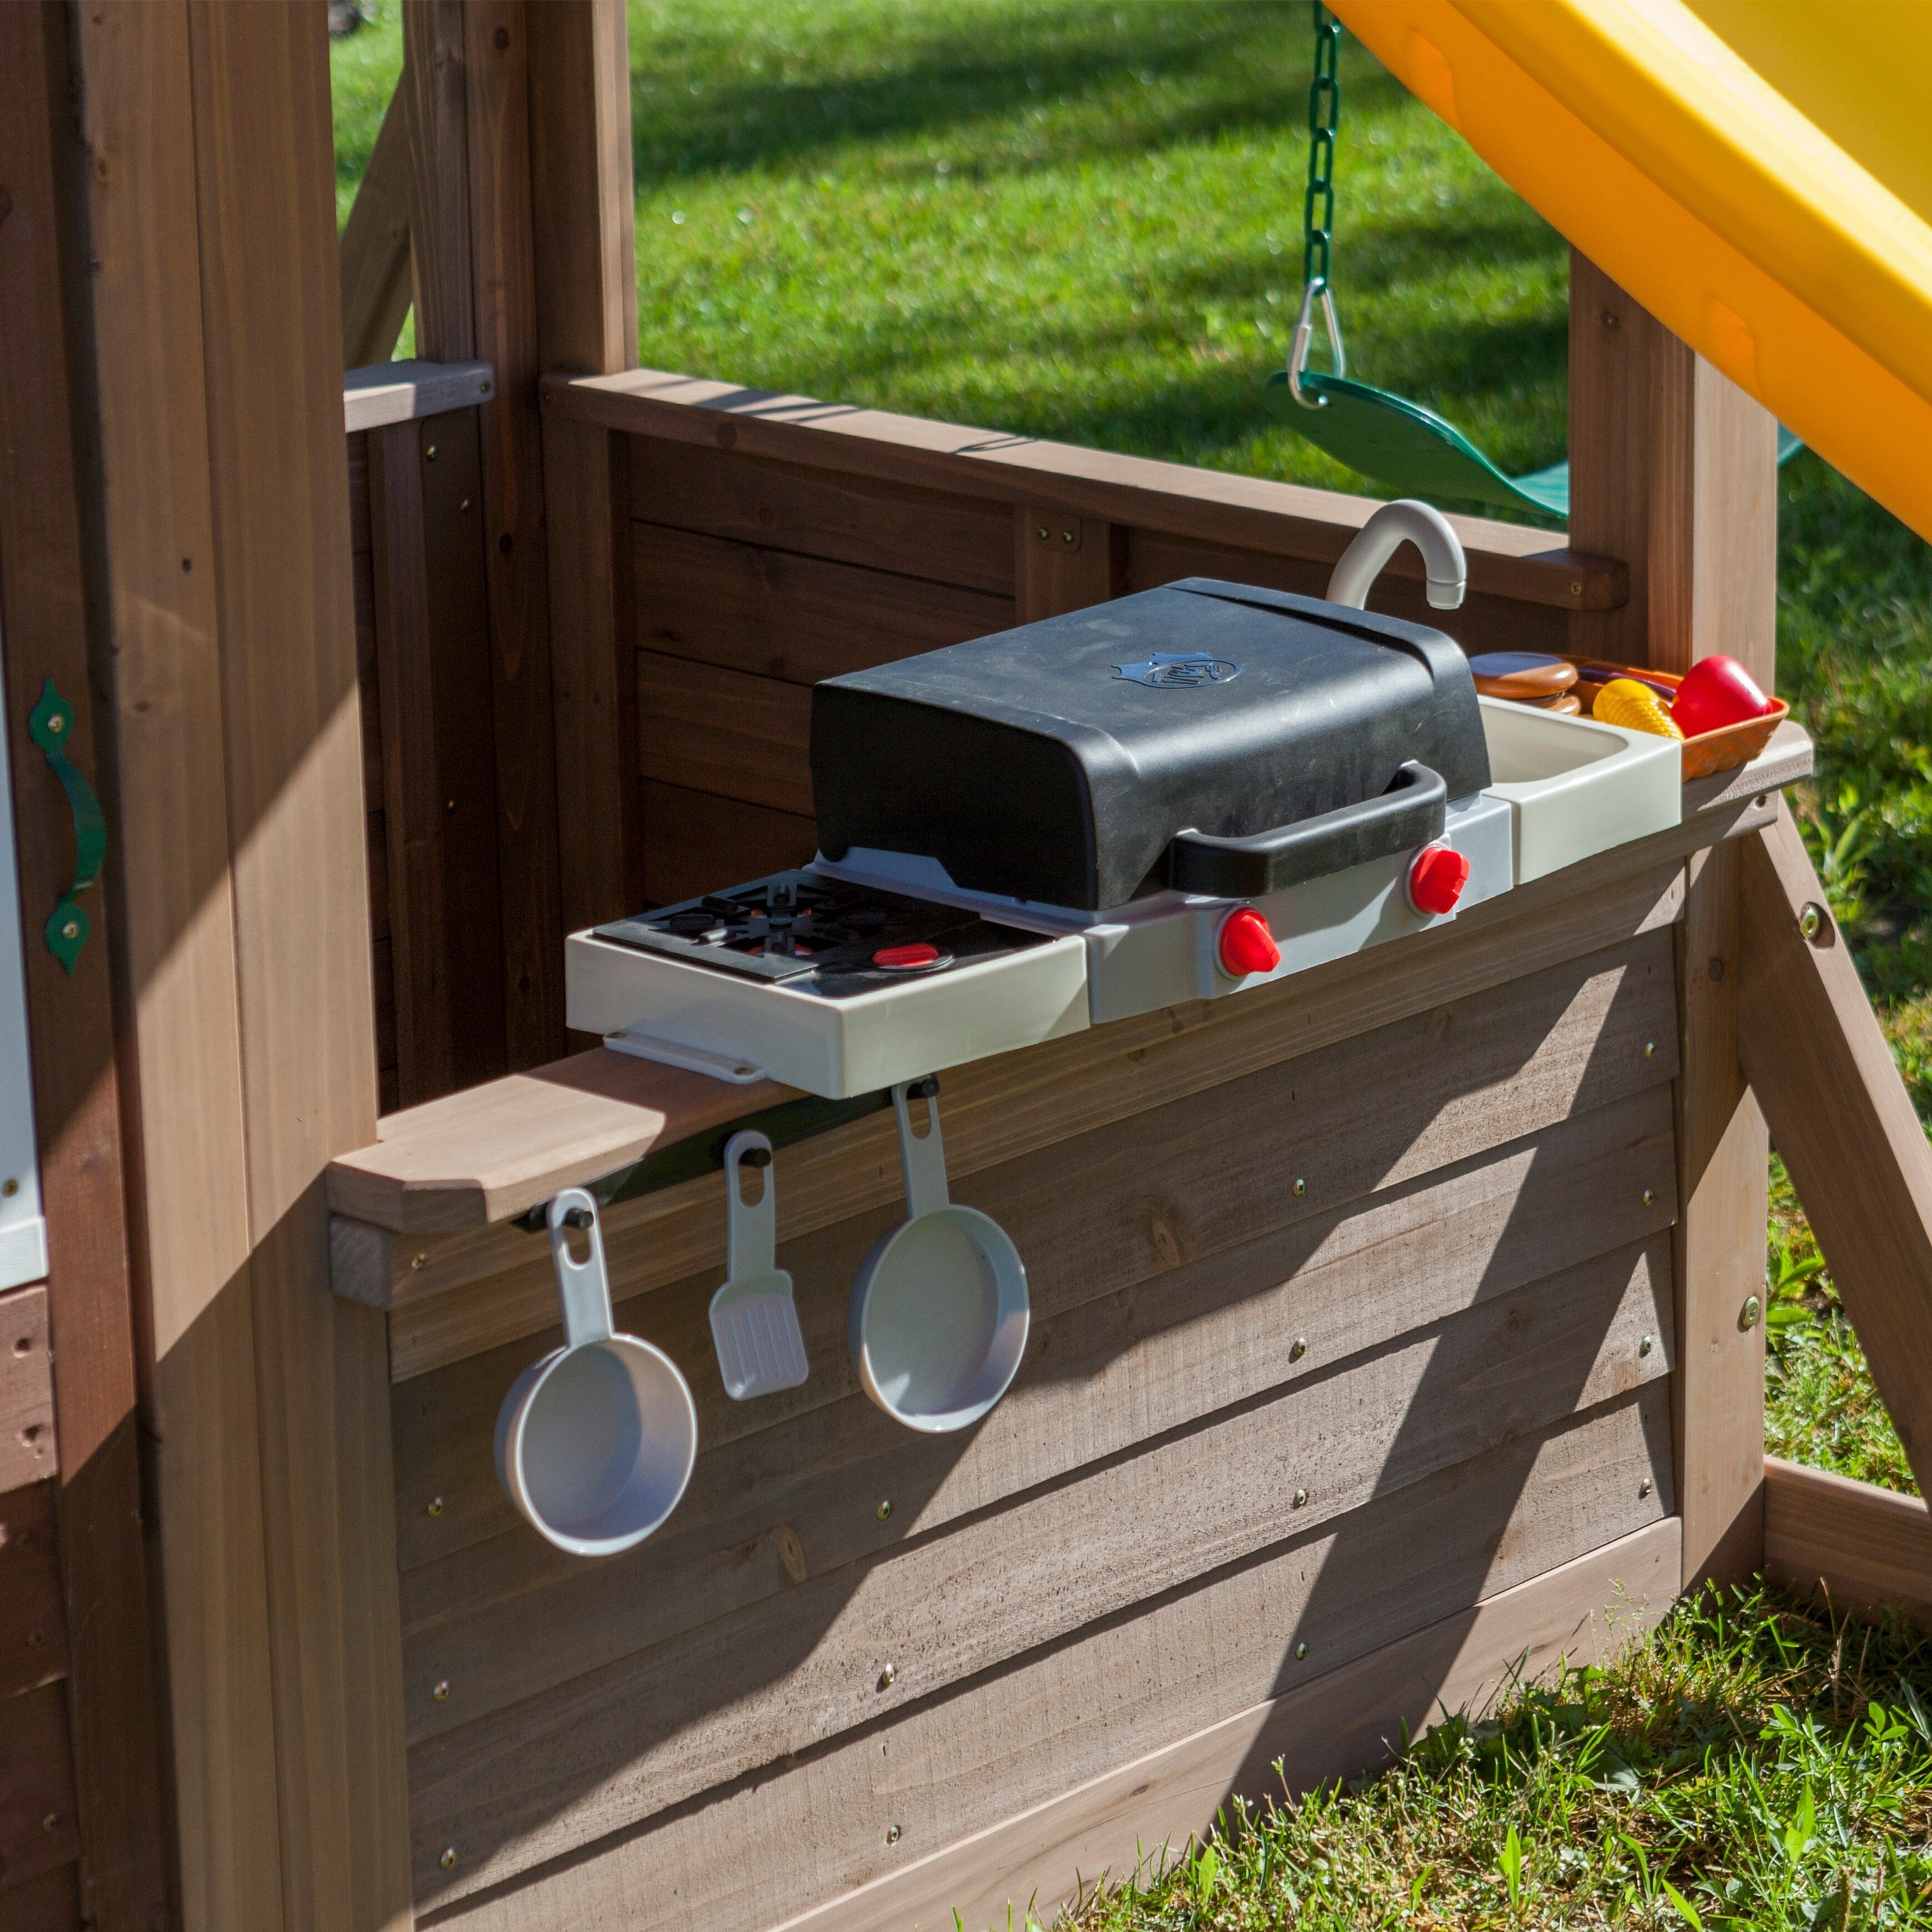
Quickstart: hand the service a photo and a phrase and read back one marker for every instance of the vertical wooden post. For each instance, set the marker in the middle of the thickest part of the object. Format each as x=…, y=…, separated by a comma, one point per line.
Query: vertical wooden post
x=474, y=247
x=111, y=1693
x=221, y=547
x=587, y=324
x=1673, y=469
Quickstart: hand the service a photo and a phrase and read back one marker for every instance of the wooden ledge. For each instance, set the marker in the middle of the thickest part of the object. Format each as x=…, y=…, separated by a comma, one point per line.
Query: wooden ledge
x=492, y=1151
x=1509, y=560
x=1868, y=1546
x=394, y=392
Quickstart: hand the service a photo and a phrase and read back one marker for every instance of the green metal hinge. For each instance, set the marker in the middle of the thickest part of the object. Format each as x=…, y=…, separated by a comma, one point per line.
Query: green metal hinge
x=51, y=727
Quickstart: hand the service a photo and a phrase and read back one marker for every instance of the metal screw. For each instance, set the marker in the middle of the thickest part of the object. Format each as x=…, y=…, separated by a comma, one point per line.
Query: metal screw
x=1748, y=1315
x=888, y=1676
x=1300, y=1497
x=419, y=1261
x=1300, y=1186
x=436, y=1505
x=1298, y=1349
x=1714, y=968
x=51, y=1822
x=451, y=806
x=744, y=1072
x=441, y=1693
x=1044, y=533
x=463, y=507
x=56, y=723
x=1067, y=536
x=430, y=453
x=35, y=1639
x=1813, y=920
x=892, y=1835
x=1301, y=1651
x=448, y=1860
x=1649, y=1196
x=1650, y=1049
x=886, y=1510
x=71, y=930
x=9, y=1187
x=1648, y=1342
x=1643, y=1488
x=1576, y=590
x=1611, y=320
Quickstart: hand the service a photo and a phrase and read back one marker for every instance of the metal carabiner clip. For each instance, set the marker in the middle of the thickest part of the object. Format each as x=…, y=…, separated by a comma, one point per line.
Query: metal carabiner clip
x=1304, y=335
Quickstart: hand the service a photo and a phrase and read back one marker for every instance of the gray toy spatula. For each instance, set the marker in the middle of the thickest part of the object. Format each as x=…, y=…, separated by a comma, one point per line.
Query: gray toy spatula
x=754, y=1321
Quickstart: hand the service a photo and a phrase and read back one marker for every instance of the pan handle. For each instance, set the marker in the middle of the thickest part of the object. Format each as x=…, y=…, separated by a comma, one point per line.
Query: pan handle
x=922, y=1156
x=583, y=1288
x=1412, y=812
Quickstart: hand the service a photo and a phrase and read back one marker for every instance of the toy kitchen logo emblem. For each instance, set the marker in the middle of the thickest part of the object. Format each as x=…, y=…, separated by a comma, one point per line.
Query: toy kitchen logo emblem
x=1179, y=670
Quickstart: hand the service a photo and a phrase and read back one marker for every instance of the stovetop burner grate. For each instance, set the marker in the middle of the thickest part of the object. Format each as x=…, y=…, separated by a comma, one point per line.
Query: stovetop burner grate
x=818, y=935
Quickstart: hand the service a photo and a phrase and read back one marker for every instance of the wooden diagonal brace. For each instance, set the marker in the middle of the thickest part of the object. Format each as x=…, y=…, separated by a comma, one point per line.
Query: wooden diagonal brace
x=376, y=290
x=1841, y=1116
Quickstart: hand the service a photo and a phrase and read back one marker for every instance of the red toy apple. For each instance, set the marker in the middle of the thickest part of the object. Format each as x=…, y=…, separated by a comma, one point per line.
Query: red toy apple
x=1716, y=690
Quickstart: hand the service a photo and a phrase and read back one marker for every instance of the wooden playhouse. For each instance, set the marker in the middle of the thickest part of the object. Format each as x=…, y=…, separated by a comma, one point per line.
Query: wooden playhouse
x=1395, y=1325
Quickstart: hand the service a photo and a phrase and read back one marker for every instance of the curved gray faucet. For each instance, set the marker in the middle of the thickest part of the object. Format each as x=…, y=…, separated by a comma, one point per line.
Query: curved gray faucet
x=1403, y=521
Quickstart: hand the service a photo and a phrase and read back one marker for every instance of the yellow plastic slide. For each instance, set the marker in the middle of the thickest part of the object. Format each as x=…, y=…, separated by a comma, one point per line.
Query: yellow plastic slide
x=1757, y=173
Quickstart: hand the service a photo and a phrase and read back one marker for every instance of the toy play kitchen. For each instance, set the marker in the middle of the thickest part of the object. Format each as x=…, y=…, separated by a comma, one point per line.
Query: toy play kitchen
x=1184, y=794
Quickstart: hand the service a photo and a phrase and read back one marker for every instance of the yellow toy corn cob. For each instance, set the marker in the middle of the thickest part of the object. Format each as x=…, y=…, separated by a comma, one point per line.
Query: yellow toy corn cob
x=1635, y=706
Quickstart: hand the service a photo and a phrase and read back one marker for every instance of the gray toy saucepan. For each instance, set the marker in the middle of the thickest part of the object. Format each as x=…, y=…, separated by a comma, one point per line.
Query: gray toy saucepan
x=595, y=1443
x=939, y=1313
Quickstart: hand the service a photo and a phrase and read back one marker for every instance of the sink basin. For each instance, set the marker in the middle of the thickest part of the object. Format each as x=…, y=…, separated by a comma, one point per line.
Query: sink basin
x=1576, y=786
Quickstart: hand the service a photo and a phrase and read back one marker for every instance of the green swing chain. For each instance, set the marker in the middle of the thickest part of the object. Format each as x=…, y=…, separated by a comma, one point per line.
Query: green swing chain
x=1324, y=111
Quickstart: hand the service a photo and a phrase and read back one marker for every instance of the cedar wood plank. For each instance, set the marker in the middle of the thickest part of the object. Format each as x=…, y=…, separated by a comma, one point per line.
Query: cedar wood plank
x=837, y=1809
x=1868, y=1547
x=502, y=263
x=1484, y=1226
x=715, y=731
x=49, y=1903
x=155, y=586
x=1674, y=469
x=936, y=534
x=1351, y=1720
x=27, y=1452
x=38, y=1829
x=843, y=1172
x=33, y=1618
x=774, y=613
x=1523, y=1508
x=867, y=447
x=505, y=1625
x=701, y=844
x=1840, y=1115
x=1722, y=1182
x=269, y=271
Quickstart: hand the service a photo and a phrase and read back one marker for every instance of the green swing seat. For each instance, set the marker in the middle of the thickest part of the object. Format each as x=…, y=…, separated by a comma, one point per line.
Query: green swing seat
x=1403, y=446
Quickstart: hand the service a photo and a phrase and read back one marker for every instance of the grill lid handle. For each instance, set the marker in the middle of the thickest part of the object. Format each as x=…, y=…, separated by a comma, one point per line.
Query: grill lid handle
x=1412, y=812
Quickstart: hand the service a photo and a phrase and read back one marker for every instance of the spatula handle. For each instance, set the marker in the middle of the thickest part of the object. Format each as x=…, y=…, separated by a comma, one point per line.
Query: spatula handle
x=750, y=1233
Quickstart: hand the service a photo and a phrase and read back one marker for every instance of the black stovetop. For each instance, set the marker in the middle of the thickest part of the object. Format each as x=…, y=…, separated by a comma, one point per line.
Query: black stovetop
x=818, y=935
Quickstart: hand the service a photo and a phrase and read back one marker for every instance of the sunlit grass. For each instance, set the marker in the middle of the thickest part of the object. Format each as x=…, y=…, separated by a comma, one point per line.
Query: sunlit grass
x=1752, y=1765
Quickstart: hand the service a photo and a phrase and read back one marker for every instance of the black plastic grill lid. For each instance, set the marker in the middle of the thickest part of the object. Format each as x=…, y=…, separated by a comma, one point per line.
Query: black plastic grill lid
x=1209, y=735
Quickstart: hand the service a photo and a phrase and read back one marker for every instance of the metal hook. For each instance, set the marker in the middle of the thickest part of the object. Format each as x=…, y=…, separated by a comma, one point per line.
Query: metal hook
x=1304, y=334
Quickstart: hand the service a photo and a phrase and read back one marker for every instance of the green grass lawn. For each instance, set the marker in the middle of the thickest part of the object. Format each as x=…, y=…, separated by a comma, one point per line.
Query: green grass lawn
x=1081, y=219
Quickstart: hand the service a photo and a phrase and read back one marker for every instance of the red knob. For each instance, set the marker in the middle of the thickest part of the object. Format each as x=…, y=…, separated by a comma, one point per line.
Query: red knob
x=1436, y=879
x=1246, y=945
x=903, y=958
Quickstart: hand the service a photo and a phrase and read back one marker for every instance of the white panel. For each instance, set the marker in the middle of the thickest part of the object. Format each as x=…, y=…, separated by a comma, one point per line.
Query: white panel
x=23, y=1238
